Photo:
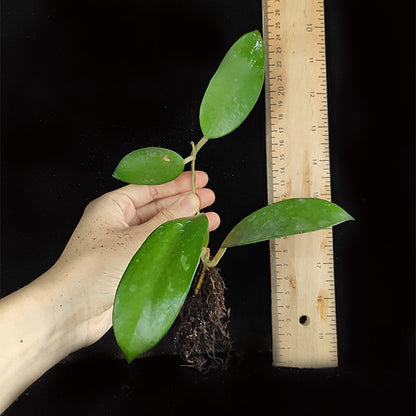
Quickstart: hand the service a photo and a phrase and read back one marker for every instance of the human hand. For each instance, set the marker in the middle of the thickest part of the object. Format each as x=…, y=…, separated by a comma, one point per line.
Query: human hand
x=70, y=306
x=111, y=230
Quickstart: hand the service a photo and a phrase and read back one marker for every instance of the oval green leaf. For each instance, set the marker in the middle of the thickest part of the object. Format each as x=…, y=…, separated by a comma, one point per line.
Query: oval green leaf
x=149, y=166
x=235, y=87
x=283, y=218
x=155, y=284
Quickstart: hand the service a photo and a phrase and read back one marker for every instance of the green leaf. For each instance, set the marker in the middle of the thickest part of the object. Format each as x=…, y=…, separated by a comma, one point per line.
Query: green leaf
x=149, y=166
x=235, y=87
x=288, y=217
x=155, y=284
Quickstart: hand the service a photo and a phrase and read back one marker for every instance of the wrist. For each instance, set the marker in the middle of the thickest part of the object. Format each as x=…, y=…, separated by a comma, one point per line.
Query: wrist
x=79, y=318
x=67, y=311
x=36, y=335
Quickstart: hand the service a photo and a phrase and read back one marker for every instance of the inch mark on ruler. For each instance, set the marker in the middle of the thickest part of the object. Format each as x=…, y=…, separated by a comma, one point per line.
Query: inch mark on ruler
x=302, y=271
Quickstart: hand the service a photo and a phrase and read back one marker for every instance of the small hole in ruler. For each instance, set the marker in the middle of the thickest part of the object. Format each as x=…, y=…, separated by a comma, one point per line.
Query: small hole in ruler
x=304, y=320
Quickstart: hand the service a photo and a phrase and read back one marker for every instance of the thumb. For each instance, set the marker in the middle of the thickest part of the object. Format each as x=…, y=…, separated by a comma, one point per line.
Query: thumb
x=185, y=207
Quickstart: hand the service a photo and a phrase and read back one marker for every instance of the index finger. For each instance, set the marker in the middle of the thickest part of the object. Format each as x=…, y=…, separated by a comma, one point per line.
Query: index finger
x=141, y=195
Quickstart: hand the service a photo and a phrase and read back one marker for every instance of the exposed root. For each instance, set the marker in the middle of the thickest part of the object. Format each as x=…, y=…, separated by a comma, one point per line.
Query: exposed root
x=202, y=339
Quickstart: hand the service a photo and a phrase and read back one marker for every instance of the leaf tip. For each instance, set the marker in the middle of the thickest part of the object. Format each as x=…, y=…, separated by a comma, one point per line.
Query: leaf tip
x=348, y=217
x=129, y=356
x=257, y=33
x=343, y=215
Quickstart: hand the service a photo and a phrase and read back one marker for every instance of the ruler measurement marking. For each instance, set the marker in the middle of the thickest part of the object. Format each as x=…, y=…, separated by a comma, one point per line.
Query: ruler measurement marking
x=297, y=115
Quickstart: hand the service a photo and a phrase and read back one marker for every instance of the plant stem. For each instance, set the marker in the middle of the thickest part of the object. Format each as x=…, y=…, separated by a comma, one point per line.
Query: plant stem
x=198, y=147
x=188, y=159
x=193, y=170
x=201, y=279
x=192, y=159
x=216, y=258
x=201, y=143
x=205, y=255
x=193, y=167
x=206, y=263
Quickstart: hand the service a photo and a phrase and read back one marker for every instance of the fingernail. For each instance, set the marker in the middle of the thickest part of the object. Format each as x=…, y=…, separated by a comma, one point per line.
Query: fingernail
x=190, y=203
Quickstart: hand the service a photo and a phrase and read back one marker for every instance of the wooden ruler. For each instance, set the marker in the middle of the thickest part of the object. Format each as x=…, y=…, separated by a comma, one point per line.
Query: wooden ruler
x=302, y=270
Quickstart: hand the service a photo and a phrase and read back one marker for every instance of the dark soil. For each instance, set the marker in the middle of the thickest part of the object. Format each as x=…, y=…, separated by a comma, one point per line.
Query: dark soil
x=202, y=338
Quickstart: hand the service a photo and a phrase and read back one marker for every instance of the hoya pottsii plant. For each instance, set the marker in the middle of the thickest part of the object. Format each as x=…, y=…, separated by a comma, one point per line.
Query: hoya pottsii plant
x=158, y=278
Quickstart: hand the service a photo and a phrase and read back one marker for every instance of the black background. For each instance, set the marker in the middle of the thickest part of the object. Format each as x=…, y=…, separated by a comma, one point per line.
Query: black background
x=85, y=82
